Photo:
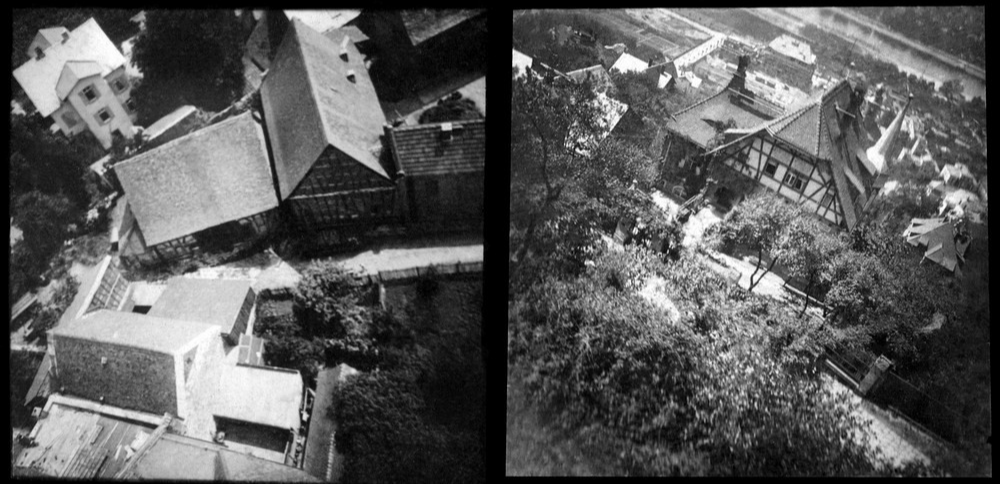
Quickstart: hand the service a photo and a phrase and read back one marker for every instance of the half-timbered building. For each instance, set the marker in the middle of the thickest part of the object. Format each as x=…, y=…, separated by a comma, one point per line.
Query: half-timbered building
x=693, y=131
x=443, y=165
x=814, y=156
x=209, y=191
x=324, y=124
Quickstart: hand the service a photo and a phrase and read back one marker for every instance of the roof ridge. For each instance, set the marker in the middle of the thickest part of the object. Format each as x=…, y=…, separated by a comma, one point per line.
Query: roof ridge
x=699, y=103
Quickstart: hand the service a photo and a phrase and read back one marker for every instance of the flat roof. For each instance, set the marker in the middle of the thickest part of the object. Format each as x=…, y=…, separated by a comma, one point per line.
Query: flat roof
x=211, y=301
x=260, y=395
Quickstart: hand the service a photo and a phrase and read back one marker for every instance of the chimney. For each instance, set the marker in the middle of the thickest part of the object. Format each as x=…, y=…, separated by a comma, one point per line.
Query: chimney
x=343, y=47
x=351, y=77
x=446, y=132
x=738, y=83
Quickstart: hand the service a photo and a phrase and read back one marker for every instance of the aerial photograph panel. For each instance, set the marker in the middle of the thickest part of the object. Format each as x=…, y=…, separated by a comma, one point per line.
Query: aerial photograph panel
x=246, y=245
x=749, y=242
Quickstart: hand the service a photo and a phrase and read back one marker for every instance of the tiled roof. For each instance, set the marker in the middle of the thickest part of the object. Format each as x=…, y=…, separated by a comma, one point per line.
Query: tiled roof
x=212, y=301
x=423, y=24
x=260, y=395
x=420, y=149
x=217, y=174
x=38, y=77
x=265, y=37
x=690, y=121
x=806, y=127
x=310, y=104
x=180, y=458
x=132, y=330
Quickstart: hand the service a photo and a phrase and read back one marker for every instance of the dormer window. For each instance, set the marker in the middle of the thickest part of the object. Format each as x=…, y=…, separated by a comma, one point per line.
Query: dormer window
x=119, y=85
x=89, y=94
x=343, y=48
x=351, y=77
x=447, y=130
x=39, y=53
x=65, y=37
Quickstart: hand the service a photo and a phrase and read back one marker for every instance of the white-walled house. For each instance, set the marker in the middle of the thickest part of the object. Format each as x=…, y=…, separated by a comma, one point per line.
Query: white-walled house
x=77, y=78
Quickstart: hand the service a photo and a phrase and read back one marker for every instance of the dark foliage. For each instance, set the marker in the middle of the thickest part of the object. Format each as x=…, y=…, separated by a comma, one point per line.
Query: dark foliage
x=451, y=108
x=188, y=57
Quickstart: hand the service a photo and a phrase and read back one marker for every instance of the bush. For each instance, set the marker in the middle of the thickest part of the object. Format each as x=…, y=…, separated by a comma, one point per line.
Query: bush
x=327, y=298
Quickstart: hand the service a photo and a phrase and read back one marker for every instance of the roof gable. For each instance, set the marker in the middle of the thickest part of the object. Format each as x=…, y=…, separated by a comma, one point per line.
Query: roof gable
x=39, y=77
x=629, y=63
x=310, y=103
x=422, y=149
x=72, y=73
x=190, y=183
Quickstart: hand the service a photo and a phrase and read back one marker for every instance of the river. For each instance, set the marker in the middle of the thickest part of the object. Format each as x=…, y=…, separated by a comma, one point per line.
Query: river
x=907, y=58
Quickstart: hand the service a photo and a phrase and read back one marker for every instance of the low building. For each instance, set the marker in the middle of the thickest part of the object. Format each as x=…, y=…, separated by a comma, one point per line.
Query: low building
x=791, y=60
x=129, y=360
x=443, y=166
x=945, y=244
x=265, y=427
x=211, y=190
x=226, y=303
x=77, y=78
x=629, y=63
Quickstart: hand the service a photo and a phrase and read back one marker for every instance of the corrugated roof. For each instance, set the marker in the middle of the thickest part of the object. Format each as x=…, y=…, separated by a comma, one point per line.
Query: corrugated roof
x=421, y=150
x=423, y=24
x=206, y=178
x=173, y=457
x=260, y=395
x=216, y=302
x=38, y=77
x=77, y=443
x=310, y=104
x=133, y=330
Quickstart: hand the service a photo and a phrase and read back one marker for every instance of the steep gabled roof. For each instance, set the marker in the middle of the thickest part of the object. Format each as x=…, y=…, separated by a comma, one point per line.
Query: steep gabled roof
x=421, y=149
x=209, y=177
x=806, y=127
x=212, y=301
x=161, y=335
x=38, y=77
x=72, y=73
x=310, y=104
x=629, y=63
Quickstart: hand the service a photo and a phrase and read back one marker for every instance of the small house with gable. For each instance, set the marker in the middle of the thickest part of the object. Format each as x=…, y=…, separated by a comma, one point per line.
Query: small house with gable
x=77, y=78
x=444, y=167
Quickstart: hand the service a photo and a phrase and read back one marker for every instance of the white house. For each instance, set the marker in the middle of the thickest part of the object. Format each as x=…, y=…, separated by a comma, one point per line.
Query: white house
x=78, y=79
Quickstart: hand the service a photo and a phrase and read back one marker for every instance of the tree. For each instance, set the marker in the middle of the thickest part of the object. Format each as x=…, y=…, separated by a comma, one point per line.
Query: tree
x=451, y=108
x=328, y=297
x=48, y=163
x=808, y=257
x=188, y=57
x=763, y=223
x=44, y=219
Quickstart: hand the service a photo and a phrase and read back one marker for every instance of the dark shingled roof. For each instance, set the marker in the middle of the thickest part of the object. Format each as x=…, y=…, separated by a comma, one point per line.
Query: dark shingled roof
x=206, y=178
x=426, y=23
x=310, y=104
x=132, y=330
x=719, y=107
x=216, y=302
x=420, y=149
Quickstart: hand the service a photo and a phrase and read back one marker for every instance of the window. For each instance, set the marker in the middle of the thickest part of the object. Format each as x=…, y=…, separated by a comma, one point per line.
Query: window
x=793, y=180
x=104, y=115
x=89, y=94
x=119, y=85
x=826, y=200
x=770, y=168
x=70, y=119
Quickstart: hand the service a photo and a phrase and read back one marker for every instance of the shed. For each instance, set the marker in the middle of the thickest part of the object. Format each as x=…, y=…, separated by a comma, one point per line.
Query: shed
x=265, y=396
